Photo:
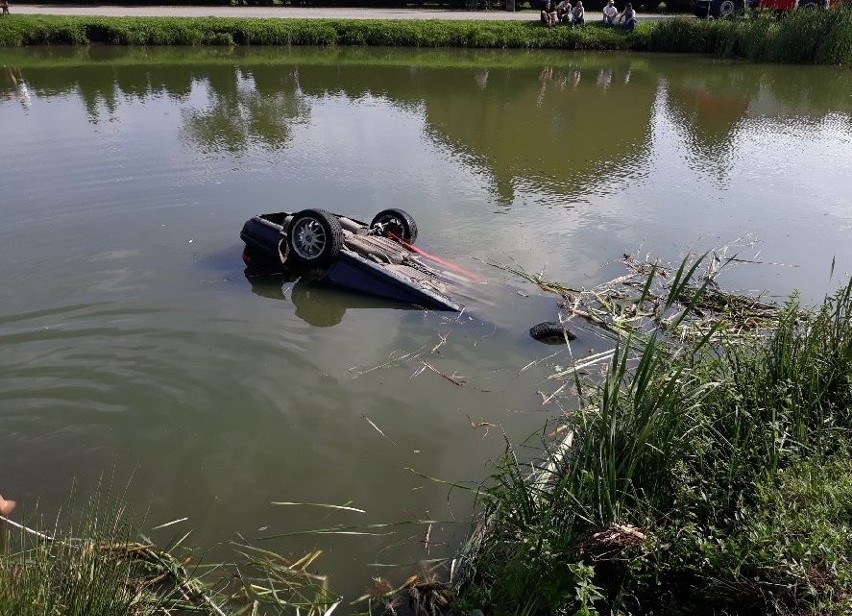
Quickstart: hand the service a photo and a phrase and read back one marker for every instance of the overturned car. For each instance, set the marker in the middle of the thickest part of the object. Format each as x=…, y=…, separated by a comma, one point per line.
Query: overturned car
x=377, y=259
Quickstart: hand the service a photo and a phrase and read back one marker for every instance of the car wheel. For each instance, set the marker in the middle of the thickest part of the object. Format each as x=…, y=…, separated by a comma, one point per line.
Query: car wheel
x=551, y=332
x=727, y=8
x=808, y=6
x=314, y=237
x=398, y=222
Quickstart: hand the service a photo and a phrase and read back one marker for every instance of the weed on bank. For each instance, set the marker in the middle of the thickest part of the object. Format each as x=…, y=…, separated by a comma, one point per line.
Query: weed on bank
x=822, y=37
x=91, y=562
x=702, y=474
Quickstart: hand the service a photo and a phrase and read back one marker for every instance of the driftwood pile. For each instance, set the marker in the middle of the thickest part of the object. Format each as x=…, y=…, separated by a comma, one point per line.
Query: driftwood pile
x=683, y=301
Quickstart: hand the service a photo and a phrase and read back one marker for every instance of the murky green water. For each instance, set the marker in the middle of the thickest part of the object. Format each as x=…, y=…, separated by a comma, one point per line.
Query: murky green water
x=132, y=343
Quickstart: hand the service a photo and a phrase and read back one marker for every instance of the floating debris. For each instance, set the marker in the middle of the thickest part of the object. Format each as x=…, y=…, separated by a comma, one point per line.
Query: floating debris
x=651, y=297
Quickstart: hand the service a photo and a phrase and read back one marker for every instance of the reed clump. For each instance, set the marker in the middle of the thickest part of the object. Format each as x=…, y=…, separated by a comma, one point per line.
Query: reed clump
x=823, y=37
x=814, y=37
x=702, y=473
x=95, y=566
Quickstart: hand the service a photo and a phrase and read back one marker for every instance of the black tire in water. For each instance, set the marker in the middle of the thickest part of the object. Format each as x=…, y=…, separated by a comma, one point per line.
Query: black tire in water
x=551, y=332
x=314, y=238
x=398, y=222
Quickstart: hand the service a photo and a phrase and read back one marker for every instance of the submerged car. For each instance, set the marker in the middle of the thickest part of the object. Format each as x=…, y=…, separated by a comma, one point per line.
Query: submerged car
x=377, y=259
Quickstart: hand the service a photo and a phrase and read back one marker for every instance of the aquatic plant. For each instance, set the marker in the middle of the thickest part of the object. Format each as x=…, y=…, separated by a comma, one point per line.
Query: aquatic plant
x=95, y=567
x=701, y=472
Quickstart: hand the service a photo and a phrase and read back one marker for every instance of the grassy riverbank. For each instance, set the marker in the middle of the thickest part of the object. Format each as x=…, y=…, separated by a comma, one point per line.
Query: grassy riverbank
x=97, y=564
x=708, y=472
x=818, y=37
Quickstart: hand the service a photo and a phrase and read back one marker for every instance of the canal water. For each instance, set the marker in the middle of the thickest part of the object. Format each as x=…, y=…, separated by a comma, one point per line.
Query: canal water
x=134, y=350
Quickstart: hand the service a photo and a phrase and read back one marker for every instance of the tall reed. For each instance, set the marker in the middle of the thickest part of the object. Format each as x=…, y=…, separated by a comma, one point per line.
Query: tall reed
x=43, y=574
x=813, y=37
x=93, y=567
x=675, y=456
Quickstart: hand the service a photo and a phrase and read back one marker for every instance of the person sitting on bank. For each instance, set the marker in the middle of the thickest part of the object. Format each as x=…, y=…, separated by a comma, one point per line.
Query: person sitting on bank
x=563, y=11
x=628, y=18
x=578, y=15
x=609, y=13
x=548, y=14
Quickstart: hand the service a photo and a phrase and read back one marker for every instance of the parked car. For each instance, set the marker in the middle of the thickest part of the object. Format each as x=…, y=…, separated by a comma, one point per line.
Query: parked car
x=728, y=8
x=782, y=6
x=723, y=8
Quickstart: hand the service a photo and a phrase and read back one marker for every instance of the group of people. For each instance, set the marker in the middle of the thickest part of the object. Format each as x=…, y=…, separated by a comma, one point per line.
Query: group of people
x=553, y=13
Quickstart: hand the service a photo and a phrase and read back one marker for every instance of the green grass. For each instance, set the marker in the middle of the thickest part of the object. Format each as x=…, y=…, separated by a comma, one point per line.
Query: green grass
x=93, y=563
x=83, y=570
x=817, y=37
x=19, y=30
x=710, y=476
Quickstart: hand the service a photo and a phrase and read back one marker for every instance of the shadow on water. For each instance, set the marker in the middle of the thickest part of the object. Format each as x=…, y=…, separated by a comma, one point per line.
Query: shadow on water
x=315, y=302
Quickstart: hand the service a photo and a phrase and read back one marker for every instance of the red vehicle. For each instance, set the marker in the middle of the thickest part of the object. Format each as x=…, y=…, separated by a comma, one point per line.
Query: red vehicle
x=791, y=5
x=729, y=8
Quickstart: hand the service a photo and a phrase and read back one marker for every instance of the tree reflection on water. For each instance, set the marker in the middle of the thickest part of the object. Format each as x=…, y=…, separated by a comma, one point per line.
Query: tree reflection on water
x=567, y=123
x=246, y=108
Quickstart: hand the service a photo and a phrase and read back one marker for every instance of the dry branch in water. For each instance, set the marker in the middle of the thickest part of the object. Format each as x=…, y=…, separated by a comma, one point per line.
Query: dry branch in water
x=452, y=378
x=685, y=301
x=379, y=430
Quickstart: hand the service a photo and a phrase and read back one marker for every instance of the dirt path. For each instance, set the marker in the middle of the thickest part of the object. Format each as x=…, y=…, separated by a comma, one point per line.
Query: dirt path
x=281, y=12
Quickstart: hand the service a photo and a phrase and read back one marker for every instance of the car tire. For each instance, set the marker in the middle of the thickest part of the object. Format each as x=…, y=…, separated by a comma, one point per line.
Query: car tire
x=551, y=332
x=398, y=222
x=723, y=9
x=808, y=5
x=727, y=8
x=314, y=237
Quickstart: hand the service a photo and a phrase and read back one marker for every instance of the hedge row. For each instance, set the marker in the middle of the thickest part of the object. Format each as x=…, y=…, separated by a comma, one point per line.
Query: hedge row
x=823, y=37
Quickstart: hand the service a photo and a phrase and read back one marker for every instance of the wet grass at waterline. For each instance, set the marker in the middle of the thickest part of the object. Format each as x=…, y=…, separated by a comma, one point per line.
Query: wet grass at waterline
x=100, y=566
x=709, y=474
x=823, y=37
x=94, y=562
